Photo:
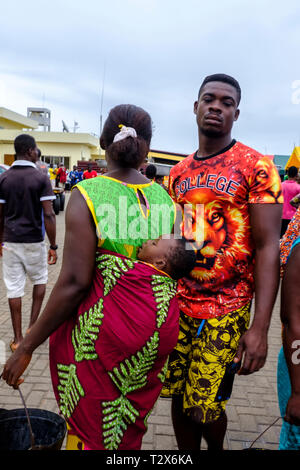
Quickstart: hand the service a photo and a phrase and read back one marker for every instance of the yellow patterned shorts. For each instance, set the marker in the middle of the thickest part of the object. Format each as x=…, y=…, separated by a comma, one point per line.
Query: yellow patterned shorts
x=201, y=366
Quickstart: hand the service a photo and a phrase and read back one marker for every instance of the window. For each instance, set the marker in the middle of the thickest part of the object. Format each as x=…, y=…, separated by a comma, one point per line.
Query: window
x=56, y=161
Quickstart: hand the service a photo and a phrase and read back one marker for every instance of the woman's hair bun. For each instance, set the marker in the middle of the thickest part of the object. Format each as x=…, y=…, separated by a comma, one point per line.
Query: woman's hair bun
x=131, y=151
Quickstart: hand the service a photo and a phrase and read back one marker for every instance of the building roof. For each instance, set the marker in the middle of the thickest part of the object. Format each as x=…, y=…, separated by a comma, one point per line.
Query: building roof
x=9, y=135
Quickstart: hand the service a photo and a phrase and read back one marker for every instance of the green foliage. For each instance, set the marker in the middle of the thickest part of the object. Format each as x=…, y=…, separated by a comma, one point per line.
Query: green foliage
x=85, y=335
x=117, y=415
x=132, y=374
x=163, y=372
x=112, y=268
x=164, y=289
x=69, y=389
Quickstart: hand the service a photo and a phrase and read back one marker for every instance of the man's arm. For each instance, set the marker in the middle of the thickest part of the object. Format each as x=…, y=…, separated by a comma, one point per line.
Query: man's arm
x=290, y=317
x=1, y=226
x=265, y=220
x=50, y=227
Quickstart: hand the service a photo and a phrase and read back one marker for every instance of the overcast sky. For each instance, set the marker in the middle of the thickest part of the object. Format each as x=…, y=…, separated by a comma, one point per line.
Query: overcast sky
x=62, y=54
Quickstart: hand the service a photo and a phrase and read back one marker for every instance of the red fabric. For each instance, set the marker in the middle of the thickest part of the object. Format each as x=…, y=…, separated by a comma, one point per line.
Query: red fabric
x=62, y=174
x=130, y=320
x=89, y=174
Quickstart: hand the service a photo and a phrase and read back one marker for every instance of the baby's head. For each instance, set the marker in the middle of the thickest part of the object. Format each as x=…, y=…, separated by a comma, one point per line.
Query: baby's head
x=169, y=255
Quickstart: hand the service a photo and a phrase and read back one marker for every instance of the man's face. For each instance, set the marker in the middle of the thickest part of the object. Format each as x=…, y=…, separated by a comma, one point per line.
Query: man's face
x=216, y=109
x=33, y=154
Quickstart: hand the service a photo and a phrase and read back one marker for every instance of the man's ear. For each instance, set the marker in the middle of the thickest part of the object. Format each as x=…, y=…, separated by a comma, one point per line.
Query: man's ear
x=195, y=107
x=236, y=115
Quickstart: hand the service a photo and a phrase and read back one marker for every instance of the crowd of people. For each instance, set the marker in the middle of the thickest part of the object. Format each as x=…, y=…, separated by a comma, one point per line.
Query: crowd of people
x=60, y=175
x=157, y=302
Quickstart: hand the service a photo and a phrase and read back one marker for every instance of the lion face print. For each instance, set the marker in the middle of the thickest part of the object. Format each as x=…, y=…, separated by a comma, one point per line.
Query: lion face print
x=219, y=233
x=214, y=195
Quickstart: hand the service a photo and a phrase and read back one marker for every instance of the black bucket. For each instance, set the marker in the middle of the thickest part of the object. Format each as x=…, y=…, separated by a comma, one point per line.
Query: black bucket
x=31, y=429
x=48, y=429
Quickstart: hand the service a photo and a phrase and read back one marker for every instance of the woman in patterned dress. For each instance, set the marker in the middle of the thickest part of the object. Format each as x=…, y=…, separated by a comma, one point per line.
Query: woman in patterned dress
x=110, y=337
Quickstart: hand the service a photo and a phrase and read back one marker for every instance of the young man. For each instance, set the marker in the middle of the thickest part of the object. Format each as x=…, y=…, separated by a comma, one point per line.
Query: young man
x=233, y=197
x=89, y=173
x=24, y=193
x=52, y=174
x=74, y=176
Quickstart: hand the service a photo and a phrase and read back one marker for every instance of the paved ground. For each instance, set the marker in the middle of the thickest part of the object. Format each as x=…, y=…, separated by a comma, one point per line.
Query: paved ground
x=252, y=408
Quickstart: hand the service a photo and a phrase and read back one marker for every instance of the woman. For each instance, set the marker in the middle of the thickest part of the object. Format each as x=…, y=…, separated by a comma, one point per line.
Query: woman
x=288, y=377
x=107, y=350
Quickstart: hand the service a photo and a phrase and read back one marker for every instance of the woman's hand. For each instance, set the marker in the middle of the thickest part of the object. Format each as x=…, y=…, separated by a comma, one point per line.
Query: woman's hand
x=292, y=414
x=15, y=367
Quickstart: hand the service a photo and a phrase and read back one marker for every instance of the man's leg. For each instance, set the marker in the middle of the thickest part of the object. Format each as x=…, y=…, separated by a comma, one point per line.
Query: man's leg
x=38, y=294
x=37, y=271
x=214, y=433
x=14, y=278
x=188, y=433
x=15, y=306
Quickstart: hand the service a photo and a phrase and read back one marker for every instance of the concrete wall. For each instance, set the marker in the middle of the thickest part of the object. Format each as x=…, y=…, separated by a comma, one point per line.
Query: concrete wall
x=75, y=146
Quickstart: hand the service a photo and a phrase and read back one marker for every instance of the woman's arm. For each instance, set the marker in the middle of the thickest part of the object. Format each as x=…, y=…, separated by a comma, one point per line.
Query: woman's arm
x=290, y=317
x=71, y=287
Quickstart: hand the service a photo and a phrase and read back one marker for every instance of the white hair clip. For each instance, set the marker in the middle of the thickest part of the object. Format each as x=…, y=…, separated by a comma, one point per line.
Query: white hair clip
x=124, y=133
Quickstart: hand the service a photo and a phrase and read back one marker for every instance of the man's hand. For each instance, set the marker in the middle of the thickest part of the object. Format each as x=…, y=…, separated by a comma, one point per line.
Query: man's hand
x=52, y=256
x=252, y=351
x=15, y=367
x=292, y=414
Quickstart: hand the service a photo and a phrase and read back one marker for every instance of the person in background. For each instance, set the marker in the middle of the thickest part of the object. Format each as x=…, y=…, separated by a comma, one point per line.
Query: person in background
x=151, y=171
x=288, y=367
x=80, y=174
x=42, y=166
x=61, y=175
x=89, y=173
x=290, y=189
x=160, y=180
x=24, y=193
x=74, y=176
x=52, y=174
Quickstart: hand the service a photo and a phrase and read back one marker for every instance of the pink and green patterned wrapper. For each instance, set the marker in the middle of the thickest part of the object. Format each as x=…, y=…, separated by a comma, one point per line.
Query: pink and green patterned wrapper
x=108, y=360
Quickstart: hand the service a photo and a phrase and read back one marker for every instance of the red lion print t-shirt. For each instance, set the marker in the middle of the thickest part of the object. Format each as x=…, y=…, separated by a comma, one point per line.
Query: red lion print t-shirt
x=214, y=194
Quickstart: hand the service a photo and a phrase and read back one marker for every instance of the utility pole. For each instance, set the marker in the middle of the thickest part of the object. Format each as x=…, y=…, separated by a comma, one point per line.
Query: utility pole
x=101, y=104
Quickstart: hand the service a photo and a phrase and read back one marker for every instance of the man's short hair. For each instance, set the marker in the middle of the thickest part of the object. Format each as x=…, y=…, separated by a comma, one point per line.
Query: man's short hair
x=151, y=171
x=181, y=259
x=23, y=143
x=222, y=77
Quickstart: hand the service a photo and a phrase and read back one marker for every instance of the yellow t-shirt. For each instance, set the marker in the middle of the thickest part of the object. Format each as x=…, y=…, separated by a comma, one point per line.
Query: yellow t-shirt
x=52, y=173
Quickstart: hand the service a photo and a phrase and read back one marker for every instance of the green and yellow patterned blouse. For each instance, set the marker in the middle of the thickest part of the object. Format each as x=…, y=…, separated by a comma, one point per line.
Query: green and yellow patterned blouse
x=122, y=223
